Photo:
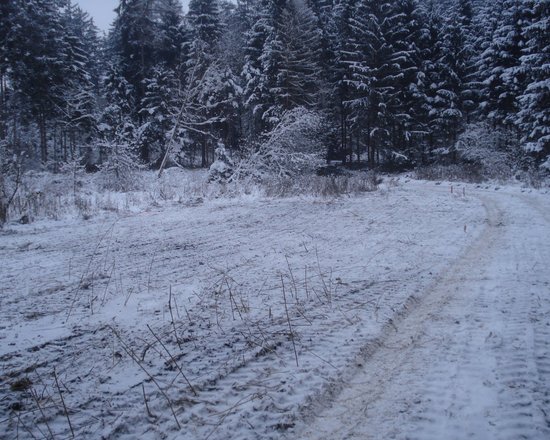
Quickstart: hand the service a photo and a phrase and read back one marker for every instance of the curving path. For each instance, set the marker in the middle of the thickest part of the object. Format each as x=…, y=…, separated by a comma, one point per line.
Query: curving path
x=472, y=360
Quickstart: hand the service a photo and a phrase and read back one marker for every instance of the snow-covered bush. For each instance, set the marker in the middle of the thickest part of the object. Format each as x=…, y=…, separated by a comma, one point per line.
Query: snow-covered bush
x=537, y=150
x=222, y=168
x=488, y=149
x=118, y=171
x=291, y=148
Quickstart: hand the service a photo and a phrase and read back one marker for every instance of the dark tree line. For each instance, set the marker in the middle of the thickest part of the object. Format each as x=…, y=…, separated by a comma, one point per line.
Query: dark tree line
x=392, y=80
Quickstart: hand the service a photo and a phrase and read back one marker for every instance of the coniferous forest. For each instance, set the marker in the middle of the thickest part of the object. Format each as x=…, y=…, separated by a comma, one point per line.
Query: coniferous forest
x=395, y=84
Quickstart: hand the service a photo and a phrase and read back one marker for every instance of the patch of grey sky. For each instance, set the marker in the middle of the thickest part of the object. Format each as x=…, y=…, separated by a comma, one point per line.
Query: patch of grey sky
x=103, y=11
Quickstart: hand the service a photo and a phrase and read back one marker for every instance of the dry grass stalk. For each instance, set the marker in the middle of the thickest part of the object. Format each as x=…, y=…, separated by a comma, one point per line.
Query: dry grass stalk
x=172, y=359
x=149, y=413
x=63, y=402
x=172, y=318
x=288, y=320
x=132, y=355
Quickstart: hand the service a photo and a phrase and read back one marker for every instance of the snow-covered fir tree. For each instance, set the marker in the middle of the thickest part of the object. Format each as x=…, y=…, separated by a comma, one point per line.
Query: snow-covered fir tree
x=534, y=115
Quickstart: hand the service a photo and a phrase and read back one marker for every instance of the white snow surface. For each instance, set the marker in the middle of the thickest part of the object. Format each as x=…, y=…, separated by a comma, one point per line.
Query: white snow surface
x=411, y=312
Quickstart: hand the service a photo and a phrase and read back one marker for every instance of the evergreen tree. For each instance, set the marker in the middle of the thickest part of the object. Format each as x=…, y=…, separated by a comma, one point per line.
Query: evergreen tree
x=455, y=90
x=432, y=69
x=255, y=92
x=299, y=76
x=118, y=152
x=158, y=110
x=206, y=31
x=220, y=94
x=408, y=36
x=35, y=58
x=79, y=89
x=395, y=79
x=271, y=59
x=375, y=72
x=148, y=34
x=7, y=14
x=534, y=116
x=132, y=47
x=164, y=84
x=263, y=76
x=343, y=55
x=171, y=36
x=500, y=64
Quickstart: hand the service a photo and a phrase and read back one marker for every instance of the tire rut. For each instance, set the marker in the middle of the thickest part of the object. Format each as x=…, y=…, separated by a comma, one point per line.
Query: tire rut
x=471, y=360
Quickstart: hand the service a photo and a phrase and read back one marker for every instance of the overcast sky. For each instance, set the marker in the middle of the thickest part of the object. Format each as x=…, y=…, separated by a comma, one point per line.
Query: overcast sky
x=102, y=11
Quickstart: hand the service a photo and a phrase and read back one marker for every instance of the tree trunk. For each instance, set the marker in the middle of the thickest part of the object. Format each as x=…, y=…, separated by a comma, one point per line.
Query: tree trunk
x=372, y=151
x=43, y=138
x=3, y=202
x=343, y=134
x=3, y=133
x=144, y=152
x=203, y=153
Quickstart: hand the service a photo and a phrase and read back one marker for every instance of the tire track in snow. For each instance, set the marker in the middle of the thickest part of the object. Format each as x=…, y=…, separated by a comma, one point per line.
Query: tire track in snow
x=472, y=360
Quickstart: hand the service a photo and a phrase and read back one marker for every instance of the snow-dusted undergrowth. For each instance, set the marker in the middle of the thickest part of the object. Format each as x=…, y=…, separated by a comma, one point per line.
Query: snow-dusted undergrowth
x=63, y=196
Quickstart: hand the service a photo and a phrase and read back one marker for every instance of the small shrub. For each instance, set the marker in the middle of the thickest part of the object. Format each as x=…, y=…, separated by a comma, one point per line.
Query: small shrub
x=487, y=150
x=84, y=207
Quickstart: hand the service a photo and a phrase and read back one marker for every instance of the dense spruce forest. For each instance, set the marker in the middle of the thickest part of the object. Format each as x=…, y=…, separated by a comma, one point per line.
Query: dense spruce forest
x=401, y=83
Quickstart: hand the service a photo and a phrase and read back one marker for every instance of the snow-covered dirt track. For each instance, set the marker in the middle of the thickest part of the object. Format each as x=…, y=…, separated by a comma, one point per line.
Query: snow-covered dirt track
x=472, y=360
x=411, y=312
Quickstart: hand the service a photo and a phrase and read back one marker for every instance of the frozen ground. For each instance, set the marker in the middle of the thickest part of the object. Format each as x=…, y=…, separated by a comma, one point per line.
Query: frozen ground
x=412, y=312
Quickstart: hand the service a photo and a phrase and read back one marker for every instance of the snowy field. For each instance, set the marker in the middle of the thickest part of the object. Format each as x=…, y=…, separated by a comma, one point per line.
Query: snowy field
x=410, y=312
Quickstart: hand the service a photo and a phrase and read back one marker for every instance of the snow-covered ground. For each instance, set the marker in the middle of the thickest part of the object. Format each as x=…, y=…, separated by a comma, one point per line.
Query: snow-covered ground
x=413, y=311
